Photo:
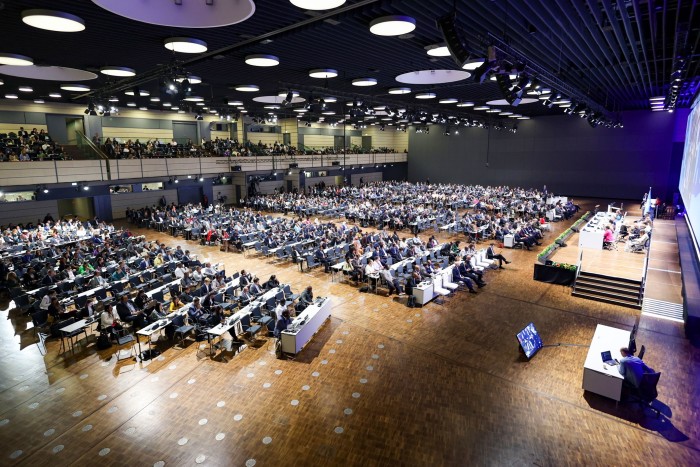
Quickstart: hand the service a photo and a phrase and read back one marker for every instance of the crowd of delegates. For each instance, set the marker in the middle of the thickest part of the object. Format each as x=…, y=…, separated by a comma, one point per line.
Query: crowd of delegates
x=25, y=146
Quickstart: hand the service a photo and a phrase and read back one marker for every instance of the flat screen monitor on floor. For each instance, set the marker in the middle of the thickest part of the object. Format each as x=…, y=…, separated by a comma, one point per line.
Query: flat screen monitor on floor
x=530, y=340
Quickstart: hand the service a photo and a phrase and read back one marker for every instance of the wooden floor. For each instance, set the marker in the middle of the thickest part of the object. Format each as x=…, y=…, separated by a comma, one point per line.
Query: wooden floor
x=381, y=384
x=664, y=272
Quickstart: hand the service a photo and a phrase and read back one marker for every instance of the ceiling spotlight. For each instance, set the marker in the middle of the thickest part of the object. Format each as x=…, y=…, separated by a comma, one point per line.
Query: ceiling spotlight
x=25, y=89
x=449, y=100
x=317, y=4
x=185, y=45
x=52, y=20
x=263, y=60
x=118, y=71
x=247, y=88
x=194, y=99
x=323, y=73
x=437, y=50
x=55, y=95
x=11, y=96
x=399, y=90
x=15, y=60
x=392, y=25
x=75, y=87
x=465, y=104
x=482, y=107
x=364, y=82
x=330, y=99
x=426, y=95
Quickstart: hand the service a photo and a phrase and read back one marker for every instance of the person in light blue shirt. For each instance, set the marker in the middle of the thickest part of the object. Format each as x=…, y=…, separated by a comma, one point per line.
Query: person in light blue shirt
x=632, y=368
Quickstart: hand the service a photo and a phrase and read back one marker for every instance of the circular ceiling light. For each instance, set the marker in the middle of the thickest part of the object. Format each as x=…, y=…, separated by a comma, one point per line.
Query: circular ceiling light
x=155, y=99
x=330, y=99
x=284, y=93
x=505, y=113
x=194, y=99
x=11, y=96
x=473, y=64
x=191, y=78
x=323, y=73
x=25, y=89
x=438, y=50
x=247, y=88
x=39, y=101
x=118, y=71
x=465, y=104
x=166, y=104
x=301, y=110
x=15, y=60
x=482, y=107
x=364, y=82
x=185, y=45
x=514, y=116
x=449, y=100
x=433, y=76
x=524, y=117
x=179, y=14
x=392, y=25
x=55, y=95
x=235, y=103
x=47, y=73
x=328, y=112
x=131, y=104
x=113, y=99
x=493, y=111
x=562, y=101
x=399, y=90
x=75, y=87
x=143, y=108
x=262, y=60
x=52, y=20
x=317, y=4
x=271, y=107
x=425, y=95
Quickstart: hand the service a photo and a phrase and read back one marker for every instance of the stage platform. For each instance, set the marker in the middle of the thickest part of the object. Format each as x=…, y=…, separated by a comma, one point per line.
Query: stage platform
x=614, y=263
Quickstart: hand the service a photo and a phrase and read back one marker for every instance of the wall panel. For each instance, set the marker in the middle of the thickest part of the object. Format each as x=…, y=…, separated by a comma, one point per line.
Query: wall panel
x=26, y=211
x=122, y=201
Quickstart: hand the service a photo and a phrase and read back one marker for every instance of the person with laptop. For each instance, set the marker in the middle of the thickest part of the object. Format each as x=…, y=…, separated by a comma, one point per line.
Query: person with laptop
x=632, y=368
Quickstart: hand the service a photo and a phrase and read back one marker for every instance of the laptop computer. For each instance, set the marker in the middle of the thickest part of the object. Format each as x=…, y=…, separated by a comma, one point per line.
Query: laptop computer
x=607, y=358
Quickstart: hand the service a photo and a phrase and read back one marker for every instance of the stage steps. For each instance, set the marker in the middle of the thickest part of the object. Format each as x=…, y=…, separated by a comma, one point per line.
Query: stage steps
x=662, y=309
x=609, y=289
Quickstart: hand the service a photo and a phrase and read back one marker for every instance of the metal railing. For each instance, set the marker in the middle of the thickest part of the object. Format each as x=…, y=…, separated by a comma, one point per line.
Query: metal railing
x=88, y=148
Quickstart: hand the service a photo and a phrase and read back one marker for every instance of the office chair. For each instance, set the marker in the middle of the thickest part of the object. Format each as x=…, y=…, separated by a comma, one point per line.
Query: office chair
x=641, y=353
x=646, y=393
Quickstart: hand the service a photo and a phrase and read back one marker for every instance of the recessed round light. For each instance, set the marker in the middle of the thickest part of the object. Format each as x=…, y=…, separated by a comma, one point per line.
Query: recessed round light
x=75, y=87
x=465, y=104
x=240, y=107
x=284, y=93
x=262, y=60
x=52, y=20
x=166, y=104
x=194, y=99
x=328, y=112
x=247, y=88
x=395, y=25
x=426, y=95
x=562, y=102
x=482, y=107
x=155, y=99
x=39, y=101
x=317, y=4
x=191, y=78
x=473, y=64
x=113, y=99
x=505, y=113
x=235, y=103
x=272, y=107
x=118, y=71
x=1, y=82
x=243, y=111
x=449, y=100
x=25, y=89
x=131, y=104
x=330, y=99
x=493, y=111
x=55, y=95
x=15, y=60
x=143, y=108
x=524, y=117
x=11, y=96
x=364, y=82
x=185, y=45
x=437, y=50
x=514, y=116
x=199, y=103
x=323, y=73
x=301, y=110
x=181, y=111
x=174, y=108
x=399, y=90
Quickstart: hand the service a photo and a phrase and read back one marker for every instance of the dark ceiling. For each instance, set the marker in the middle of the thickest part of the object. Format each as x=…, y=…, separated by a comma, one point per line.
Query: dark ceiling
x=617, y=54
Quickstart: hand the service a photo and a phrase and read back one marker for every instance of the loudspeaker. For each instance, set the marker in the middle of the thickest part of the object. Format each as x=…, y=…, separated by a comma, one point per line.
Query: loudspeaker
x=235, y=168
x=448, y=27
x=335, y=163
x=293, y=166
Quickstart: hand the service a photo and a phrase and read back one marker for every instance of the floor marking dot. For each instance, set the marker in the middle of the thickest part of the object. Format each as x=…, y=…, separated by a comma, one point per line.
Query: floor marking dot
x=380, y=346
x=130, y=431
x=370, y=368
x=192, y=381
x=267, y=440
x=77, y=413
x=154, y=378
x=160, y=358
x=345, y=333
x=104, y=364
x=182, y=441
x=84, y=376
x=324, y=362
x=347, y=411
x=173, y=395
x=295, y=402
x=267, y=385
x=331, y=351
x=418, y=315
x=33, y=405
x=363, y=380
x=375, y=356
x=278, y=372
x=409, y=320
x=16, y=454
x=112, y=409
x=104, y=451
x=58, y=448
x=250, y=375
x=220, y=436
x=102, y=397
x=200, y=458
x=339, y=429
x=238, y=417
x=356, y=395
x=220, y=404
x=87, y=428
x=305, y=387
x=172, y=367
x=339, y=341
x=60, y=390
x=49, y=432
x=250, y=463
x=4, y=421
x=315, y=374
x=262, y=363
x=159, y=464
x=203, y=421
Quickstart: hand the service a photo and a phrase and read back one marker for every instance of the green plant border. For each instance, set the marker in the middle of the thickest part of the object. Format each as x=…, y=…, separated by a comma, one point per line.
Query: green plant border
x=551, y=248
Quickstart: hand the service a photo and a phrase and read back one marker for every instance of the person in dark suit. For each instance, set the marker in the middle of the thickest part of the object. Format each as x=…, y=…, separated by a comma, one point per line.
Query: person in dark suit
x=129, y=313
x=322, y=258
x=255, y=288
x=307, y=297
x=458, y=278
x=49, y=278
x=491, y=254
x=206, y=287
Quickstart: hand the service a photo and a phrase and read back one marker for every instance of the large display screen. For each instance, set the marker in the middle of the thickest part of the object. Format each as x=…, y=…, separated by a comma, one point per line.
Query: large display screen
x=530, y=340
x=690, y=171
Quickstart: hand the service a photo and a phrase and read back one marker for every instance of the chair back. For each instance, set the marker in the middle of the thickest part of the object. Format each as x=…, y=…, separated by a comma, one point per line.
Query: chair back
x=178, y=320
x=641, y=353
x=647, y=387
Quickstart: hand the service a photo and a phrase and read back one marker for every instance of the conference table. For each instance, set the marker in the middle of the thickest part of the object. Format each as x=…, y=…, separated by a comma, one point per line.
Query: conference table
x=598, y=377
x=305, y=326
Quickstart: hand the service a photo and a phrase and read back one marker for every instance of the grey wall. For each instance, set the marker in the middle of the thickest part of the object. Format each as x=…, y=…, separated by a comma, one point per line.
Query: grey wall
x=562, y=152
x=26, y=211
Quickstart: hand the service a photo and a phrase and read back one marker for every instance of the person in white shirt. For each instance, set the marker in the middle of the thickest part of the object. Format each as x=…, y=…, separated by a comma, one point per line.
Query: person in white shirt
x=197, y=275
x=179, y=271
x=46, y=300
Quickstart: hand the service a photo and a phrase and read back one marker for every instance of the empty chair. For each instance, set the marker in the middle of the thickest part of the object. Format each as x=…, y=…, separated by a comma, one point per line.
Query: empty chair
x=288, y=293
x=181, y=328
x=447, y=281
x=439, y=290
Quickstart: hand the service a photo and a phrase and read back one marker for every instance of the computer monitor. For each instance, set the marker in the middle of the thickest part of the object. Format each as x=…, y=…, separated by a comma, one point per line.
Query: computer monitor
x=530, y=340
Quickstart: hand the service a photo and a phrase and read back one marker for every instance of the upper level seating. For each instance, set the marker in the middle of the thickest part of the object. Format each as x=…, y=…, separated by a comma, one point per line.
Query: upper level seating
x=23, y=145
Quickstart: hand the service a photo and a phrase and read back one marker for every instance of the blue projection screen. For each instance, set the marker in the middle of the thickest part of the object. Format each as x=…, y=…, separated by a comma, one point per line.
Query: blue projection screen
x=689, y=184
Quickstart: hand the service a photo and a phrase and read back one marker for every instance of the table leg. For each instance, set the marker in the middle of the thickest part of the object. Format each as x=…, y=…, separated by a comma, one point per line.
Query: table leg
x=138, y=341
